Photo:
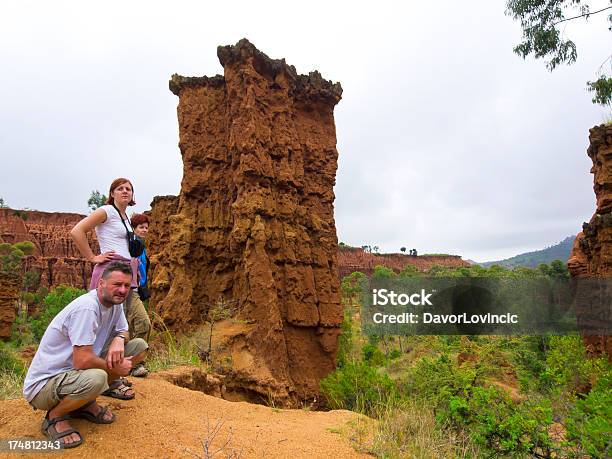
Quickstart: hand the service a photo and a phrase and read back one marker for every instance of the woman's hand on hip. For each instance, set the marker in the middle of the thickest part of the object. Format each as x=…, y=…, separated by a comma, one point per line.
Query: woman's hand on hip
x=106, y=256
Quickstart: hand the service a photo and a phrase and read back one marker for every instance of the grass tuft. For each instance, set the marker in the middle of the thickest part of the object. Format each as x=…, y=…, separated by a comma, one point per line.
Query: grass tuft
x=12, y=373
x=409, y=429
x=167, y=351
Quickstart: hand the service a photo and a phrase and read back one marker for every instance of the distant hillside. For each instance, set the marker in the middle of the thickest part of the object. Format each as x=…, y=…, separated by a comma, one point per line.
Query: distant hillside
x=560, y=251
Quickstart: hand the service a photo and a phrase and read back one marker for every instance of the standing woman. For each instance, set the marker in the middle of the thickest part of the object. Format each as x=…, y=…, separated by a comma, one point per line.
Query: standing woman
x=140, y=223
x=112, y=228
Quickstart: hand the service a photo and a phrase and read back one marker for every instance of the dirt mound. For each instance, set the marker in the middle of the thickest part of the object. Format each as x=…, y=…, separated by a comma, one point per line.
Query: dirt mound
x=167, y=421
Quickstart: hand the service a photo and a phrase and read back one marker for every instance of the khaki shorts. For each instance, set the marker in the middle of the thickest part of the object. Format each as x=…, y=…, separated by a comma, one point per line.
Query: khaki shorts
x=137, y=317
x=80, y=384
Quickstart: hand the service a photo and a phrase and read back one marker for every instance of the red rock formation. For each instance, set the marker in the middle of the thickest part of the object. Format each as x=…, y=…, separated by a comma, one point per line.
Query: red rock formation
x=355, y=259
x=10, y=286
x=56, y=258
x=254, y=220
x=591, y=255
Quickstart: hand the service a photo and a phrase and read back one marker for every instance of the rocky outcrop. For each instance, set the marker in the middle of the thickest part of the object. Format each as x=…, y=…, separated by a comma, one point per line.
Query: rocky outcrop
x=254, y=221
x=10, y=286
x=352, y=259
x=591, y=255
x=56, y=258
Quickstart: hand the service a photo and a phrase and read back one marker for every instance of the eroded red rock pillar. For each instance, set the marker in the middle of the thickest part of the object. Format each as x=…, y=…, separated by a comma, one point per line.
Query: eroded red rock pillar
x=254, y=221
x=591, y=255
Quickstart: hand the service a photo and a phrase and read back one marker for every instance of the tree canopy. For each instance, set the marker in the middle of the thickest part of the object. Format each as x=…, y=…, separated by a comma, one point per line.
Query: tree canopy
x=12, y=254
x=541, y=21
x=96, y=200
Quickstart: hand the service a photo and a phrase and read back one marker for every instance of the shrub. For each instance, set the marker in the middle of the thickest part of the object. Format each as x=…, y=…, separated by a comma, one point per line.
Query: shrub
x=435, y=379
x=410, y=271
x=12, y=372
x=9, y=363
x=352, y=285
x=345, y=341
x=498, y=423
x=567, y=365
x=382, y=272
x=529, y=357
x=490, y=417
x=394, y=354
x=21, y=332
x=26, y=247
x=53, y=303
x=590, y=421
x=372, y=355
x=357, y=387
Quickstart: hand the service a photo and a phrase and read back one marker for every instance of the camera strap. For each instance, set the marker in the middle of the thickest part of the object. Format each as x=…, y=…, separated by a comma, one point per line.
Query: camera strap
x=123, y=221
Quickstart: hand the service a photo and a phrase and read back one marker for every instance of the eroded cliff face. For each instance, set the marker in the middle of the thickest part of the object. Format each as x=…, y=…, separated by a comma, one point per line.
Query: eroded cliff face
x=56, y=258
x=254, y=221
x=10, y=286
x=591, y=255
x=356, y=259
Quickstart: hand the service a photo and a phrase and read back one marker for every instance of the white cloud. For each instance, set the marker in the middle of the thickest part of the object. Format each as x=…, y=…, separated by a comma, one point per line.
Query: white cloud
x=448, y=141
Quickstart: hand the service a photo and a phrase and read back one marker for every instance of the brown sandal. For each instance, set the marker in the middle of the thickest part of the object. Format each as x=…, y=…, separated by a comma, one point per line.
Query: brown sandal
x=48, y=428
x=118, y=390
x=99, y=418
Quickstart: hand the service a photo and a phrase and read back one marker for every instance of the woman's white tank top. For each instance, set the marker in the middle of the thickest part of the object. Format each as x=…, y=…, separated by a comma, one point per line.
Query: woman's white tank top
x=111, y=234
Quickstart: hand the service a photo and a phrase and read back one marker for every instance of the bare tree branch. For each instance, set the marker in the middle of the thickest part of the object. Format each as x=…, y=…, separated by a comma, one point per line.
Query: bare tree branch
x=581, y=15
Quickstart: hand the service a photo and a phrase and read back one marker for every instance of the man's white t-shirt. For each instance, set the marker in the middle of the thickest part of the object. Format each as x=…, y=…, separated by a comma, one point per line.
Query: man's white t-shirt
x=112, y=235
x=84, y=322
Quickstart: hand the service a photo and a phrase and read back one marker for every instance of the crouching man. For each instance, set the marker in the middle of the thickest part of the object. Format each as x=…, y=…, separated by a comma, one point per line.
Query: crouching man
x=84, y=348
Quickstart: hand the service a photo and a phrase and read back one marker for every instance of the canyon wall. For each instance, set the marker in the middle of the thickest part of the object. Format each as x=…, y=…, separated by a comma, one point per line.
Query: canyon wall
x=591, y=255
x=10, y=287
x=56, y=258
x=352, y=259
x=254, y=221
x=58, y=261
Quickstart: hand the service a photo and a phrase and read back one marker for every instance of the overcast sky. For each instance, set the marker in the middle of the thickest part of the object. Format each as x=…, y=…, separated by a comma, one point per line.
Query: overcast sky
x=448, y=142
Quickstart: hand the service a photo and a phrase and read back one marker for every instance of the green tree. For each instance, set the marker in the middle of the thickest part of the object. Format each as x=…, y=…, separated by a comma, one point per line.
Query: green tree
x=382, y=272
x=3, y=205
x=12, y=254
x=31, y=281
x=352, y=285
x=96, y=200
x=541, y=22
x=54, y=302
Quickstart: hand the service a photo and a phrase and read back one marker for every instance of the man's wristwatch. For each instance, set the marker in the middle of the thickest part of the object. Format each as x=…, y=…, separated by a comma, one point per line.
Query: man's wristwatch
x=121, y=336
